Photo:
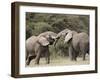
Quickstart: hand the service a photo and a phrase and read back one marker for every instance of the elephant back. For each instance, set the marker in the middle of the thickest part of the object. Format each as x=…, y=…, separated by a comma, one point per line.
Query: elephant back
x=48, y=33
x=80, y=38
x=84, y=37
x=30, y=42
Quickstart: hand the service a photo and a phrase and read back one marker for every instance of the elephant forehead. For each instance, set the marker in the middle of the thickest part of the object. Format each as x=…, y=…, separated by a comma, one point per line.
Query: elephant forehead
x=48, y=33
x=64, y=32
x=53, y=37
x=52, y=33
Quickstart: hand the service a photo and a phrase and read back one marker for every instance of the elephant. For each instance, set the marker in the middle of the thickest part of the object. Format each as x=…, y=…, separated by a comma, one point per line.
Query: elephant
x=77, y=43
x=36, y=46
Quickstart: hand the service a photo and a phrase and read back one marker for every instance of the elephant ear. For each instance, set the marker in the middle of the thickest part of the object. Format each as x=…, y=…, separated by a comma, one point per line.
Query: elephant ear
x=68, y=37
x=43, y=41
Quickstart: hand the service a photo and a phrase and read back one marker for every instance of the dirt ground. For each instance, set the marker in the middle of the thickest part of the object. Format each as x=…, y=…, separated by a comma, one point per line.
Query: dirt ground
x=60, y=62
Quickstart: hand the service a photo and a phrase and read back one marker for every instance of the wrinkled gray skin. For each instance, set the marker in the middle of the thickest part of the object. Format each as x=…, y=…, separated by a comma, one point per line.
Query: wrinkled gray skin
x=78, y=43
x=36, y=46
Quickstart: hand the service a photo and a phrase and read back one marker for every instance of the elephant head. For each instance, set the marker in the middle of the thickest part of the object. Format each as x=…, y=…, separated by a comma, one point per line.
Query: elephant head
x=47, y=38
x=69, y=36
x=62, y=33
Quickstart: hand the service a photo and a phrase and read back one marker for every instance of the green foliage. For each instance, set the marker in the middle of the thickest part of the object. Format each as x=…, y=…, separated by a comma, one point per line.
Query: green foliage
x=40, y=27
x=37, y=23
x=28, y=32
x=61, y=47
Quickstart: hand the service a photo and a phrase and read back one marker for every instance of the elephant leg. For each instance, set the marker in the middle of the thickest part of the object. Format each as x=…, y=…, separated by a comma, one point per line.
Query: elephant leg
x=74, y=56
x=47, y=56
x=27, y=61
x=84, y=47
x=29, y=58
x=37, y=59
x=83, y=53
x=27, y=54
x=70, y=52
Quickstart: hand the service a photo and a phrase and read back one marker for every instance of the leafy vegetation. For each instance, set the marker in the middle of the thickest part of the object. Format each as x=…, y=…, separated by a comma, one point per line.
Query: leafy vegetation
x=37, y=23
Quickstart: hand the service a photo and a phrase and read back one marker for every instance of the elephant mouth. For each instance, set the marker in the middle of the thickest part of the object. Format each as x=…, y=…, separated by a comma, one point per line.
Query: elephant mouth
x=51, y=43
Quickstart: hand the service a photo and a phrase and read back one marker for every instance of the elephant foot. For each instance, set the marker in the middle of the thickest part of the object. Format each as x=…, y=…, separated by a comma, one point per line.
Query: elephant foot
x=36, y=62
x=27, y=62
x=73, y=59
x=84, y=59
x=47, y=62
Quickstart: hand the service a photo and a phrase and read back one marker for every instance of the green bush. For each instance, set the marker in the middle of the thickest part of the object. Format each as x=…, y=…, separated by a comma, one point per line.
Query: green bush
x=41, y=27
x=60, y=49
x=28, y=32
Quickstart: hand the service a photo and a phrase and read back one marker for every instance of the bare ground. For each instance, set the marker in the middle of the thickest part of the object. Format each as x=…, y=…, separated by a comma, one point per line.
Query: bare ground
x=60, y=62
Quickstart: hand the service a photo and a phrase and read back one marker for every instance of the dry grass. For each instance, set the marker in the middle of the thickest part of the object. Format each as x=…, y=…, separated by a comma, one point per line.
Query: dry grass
x=60, y=62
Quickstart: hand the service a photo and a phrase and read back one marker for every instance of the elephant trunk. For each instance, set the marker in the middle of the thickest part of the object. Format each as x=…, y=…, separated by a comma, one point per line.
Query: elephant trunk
x=56, y=39
x=52, y=41
x=62, y=33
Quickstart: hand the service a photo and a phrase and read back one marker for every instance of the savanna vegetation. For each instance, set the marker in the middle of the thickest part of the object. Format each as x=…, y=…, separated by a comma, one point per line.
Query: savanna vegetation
x=37, y=23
